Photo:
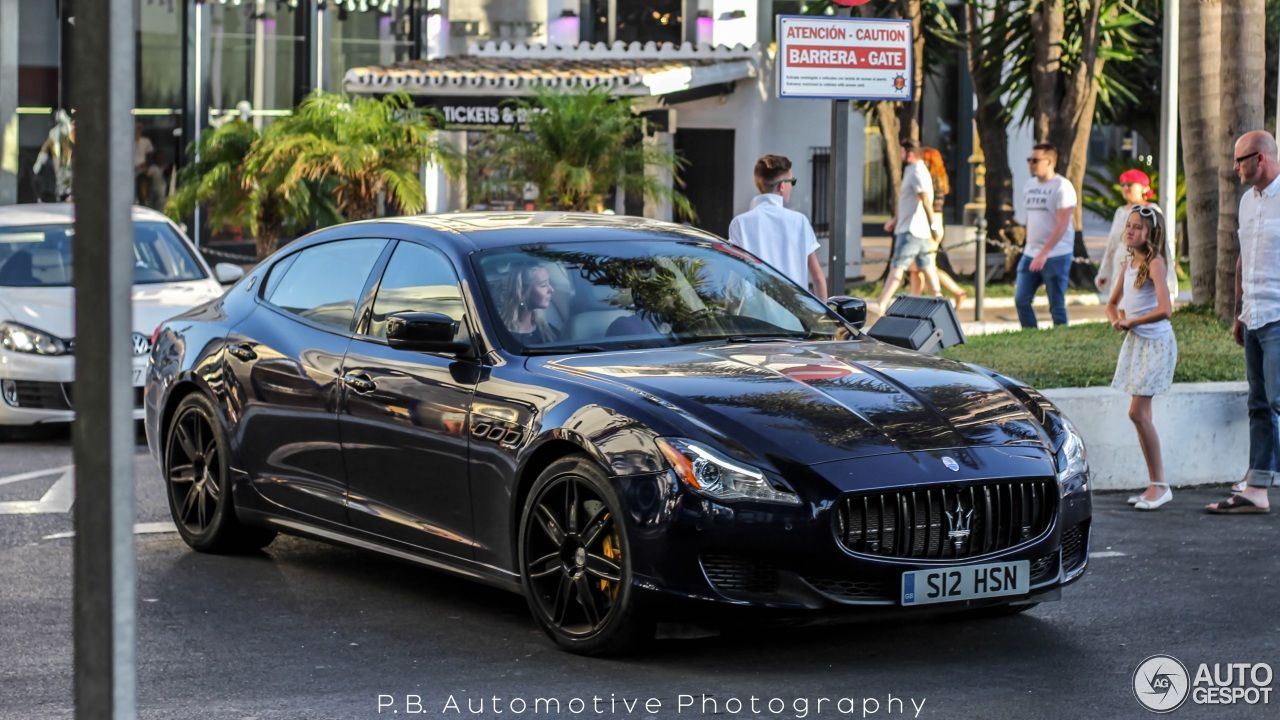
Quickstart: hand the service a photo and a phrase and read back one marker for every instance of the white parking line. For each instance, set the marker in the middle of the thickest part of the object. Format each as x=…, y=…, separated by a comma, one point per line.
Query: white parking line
x=58, y=499
x=154, y=528
x=1106, y=554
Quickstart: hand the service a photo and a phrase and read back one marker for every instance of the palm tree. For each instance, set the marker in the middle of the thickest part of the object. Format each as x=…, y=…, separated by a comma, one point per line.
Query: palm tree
x=354, y=150
x=216, y=181
x=1243, y=63
x=1200, y=58
x=576, y=147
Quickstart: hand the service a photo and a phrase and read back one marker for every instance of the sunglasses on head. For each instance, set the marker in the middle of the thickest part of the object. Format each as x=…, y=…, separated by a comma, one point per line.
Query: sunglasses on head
x=1149, y=212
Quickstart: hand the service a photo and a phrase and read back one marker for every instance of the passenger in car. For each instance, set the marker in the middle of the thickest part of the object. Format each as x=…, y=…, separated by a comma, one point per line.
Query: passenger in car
x=527, y=296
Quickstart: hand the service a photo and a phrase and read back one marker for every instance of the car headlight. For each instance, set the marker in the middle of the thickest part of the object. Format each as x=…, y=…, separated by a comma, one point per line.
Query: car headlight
x=1071, y=458
x=20, y=338
x=716, y=476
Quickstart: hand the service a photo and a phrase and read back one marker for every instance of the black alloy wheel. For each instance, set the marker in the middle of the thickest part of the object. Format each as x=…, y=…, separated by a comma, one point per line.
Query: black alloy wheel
x=196, y=473
x=575, y=561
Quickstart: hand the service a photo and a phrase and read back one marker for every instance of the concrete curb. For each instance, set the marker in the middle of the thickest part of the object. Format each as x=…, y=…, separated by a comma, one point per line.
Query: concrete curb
x=1203, y=428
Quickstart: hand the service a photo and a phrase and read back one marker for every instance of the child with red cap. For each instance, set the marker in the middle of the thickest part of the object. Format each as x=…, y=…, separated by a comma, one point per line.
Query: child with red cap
x=1136, y=188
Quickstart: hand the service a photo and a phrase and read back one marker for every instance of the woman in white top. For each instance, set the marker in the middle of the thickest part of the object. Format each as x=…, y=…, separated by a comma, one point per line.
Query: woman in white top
x=1136, y=188
x=1140, y=307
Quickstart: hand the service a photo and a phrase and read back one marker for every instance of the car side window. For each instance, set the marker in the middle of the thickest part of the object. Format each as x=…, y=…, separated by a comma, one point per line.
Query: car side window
x=417, y=279
x=324, y=282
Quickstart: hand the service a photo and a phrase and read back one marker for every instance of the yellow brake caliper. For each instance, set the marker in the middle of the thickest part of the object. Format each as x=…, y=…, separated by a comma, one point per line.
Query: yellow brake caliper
x=613, y=550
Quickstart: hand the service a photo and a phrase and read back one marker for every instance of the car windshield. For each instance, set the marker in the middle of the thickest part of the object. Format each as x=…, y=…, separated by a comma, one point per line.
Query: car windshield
x=583, y=297
x=40, y=255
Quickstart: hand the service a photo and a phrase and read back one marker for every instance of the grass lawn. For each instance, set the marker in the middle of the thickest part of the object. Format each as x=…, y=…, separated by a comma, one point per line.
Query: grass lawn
x=1085, y=355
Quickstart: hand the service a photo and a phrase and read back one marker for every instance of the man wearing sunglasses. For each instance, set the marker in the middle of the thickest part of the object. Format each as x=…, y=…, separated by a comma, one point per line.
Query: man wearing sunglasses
x=1050, y=201
x=1257, y=322
x=781, y=237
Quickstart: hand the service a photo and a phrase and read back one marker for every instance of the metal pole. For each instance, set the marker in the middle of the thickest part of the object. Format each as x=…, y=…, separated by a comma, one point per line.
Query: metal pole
x=839, y=197
x=839, y=189
x=102, y=93
x=1169, y=117
x=980, y=272
x=197, y=106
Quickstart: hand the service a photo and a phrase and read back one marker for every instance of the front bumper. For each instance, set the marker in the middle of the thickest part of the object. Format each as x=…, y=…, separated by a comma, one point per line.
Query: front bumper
x=729, y=557
x=39, y=389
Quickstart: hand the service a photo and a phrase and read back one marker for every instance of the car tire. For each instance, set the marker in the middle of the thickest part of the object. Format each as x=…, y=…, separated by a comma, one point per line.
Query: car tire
x=198, y=485
x=575, y=561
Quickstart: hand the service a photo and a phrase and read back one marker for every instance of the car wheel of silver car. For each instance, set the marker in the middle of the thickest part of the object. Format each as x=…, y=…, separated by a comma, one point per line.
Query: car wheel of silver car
x=196, y=471
x=575, y=561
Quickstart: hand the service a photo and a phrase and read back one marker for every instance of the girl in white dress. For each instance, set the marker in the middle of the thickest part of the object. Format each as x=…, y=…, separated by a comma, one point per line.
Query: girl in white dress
x=1140, y=307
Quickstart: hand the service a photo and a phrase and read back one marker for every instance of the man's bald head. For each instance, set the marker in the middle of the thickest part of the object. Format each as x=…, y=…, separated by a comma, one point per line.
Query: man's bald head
x=1255, y=159
x=1257, y=141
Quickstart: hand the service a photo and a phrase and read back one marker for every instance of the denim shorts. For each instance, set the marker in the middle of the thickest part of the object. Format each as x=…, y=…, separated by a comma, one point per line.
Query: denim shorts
x=912, y=249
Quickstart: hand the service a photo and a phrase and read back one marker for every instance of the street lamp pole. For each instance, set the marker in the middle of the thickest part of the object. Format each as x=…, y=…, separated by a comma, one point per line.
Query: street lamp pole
x=1169, y=117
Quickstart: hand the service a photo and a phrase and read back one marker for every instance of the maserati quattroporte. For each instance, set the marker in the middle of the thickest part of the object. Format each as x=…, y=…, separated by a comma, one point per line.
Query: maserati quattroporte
x=630, y=422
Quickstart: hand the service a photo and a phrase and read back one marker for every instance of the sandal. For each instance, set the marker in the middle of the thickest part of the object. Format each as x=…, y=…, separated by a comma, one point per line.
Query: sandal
x=1237, y=505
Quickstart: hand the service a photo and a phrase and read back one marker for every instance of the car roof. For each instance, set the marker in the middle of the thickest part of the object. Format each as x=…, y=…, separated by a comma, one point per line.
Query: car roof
x=57, y=213
x=502, y=229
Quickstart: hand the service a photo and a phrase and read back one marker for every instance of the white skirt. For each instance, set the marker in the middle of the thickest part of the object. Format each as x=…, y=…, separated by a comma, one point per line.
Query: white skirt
x=1146, y=365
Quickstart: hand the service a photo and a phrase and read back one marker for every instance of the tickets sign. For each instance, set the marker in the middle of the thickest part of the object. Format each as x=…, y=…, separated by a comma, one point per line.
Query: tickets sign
x=844, y=58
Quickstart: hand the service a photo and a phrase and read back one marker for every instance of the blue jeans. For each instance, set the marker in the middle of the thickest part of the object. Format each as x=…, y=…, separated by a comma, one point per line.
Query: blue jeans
x=1262, y=368
x=1054, y=277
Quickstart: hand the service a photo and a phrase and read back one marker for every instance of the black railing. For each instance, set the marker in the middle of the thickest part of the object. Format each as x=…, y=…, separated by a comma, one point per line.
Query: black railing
x=821, y=215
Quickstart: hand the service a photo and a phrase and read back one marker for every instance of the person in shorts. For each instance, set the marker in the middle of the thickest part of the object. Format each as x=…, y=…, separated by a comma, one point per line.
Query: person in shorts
x=914, y=226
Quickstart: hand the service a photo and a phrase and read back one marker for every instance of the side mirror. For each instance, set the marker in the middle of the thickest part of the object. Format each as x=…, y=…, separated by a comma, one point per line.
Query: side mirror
x=852, y=309
x=226, y=273
x=424, y=332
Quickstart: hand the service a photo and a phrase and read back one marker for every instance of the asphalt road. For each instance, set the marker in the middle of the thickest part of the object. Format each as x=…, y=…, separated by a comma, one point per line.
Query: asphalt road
x=307, y=630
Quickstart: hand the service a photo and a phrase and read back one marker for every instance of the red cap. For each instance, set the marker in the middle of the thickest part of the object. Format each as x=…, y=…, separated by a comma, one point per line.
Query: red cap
x=1136, y=176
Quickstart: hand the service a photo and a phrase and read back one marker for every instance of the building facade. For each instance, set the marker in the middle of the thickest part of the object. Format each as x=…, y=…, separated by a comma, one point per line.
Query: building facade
x=199, y=61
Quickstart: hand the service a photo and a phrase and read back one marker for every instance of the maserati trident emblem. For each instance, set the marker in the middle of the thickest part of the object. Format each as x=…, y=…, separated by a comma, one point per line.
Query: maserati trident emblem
x=141, y=344
x=952, y=465
x=958, y=523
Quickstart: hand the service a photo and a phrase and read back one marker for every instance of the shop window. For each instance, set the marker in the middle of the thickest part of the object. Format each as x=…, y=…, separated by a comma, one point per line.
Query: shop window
x=252, y=51
x=373, y=34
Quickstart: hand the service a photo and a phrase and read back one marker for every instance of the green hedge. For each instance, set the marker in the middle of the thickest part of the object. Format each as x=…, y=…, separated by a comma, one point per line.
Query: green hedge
x=1085, y=355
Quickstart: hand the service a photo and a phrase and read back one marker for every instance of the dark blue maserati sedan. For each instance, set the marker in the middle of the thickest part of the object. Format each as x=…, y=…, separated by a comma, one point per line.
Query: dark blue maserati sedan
x=630, y=422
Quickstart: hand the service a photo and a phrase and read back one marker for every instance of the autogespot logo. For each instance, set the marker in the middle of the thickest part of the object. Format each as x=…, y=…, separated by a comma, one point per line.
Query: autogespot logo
x=1161, y=683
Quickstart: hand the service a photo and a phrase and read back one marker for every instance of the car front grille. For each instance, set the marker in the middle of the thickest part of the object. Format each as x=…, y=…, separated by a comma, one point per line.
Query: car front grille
x=850, y=590
x=947, y=523
x=36, y=395
x=1045, y=568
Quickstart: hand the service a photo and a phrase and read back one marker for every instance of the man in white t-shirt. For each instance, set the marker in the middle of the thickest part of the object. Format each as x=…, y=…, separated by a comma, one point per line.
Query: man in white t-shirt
x=913, y=242
x=781, y=237
x=1050, y=201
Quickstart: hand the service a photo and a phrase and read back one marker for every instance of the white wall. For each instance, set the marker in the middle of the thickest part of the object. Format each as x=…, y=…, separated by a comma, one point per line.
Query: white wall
x=767, y=124
x=1203, y=428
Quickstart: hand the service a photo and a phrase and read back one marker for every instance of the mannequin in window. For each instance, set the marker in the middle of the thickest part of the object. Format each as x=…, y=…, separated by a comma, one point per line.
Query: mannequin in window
x=528, y=295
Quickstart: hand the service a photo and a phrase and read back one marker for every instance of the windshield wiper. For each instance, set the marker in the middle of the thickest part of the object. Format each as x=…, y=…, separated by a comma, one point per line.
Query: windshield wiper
x=564, y=350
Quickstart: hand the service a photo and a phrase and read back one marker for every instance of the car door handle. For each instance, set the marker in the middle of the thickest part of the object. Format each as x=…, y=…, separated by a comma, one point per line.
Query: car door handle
x=359, y=383
x=244, y=351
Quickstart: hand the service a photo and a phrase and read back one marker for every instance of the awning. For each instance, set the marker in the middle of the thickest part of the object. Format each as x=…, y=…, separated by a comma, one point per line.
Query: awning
x=634, y=70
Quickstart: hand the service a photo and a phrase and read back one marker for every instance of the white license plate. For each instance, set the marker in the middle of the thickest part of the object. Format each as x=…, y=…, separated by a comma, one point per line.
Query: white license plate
x=139, y=376
x=970, y=582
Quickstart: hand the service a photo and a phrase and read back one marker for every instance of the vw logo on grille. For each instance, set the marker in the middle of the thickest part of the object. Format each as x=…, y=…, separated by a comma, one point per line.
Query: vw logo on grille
x=141, y=344
x=952, y=465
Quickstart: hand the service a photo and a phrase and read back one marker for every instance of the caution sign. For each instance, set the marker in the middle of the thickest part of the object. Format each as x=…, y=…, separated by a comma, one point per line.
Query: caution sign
x=844, y=58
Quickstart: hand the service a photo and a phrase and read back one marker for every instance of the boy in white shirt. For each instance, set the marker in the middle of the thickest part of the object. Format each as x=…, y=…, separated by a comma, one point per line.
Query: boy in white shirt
x=781, y=237
x=913, y=242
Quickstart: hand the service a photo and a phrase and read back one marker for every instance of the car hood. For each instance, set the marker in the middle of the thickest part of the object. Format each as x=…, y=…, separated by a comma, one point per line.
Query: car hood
x=52, y=310
x=820, y=402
